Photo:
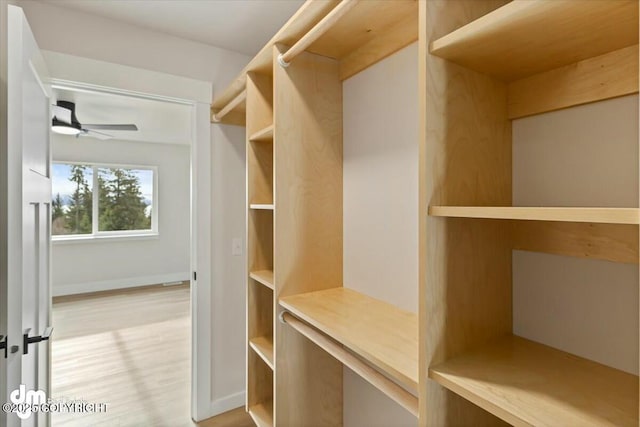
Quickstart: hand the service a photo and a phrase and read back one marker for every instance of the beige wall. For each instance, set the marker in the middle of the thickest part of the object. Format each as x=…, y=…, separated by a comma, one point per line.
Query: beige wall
x=381, y=208
x=583, y=156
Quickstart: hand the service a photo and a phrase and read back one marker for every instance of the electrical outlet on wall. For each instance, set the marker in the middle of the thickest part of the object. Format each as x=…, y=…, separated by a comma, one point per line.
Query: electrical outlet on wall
x=236, y=246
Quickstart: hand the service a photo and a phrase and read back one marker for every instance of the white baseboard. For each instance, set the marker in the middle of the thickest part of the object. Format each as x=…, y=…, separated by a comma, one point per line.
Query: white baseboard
x=107, y=285
x=225, y=404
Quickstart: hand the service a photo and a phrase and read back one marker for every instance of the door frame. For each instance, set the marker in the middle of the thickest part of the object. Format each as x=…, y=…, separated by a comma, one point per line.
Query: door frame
x=4, y=186
x=98, y=76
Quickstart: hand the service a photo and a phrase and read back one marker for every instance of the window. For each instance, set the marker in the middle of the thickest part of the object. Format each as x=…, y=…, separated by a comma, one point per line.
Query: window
x=103, y=200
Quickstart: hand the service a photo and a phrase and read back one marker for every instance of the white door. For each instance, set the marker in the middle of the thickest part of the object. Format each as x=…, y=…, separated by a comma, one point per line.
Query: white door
x=25, y=299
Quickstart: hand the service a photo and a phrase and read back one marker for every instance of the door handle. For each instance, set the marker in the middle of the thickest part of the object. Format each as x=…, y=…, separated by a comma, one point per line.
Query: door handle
x=32, y=340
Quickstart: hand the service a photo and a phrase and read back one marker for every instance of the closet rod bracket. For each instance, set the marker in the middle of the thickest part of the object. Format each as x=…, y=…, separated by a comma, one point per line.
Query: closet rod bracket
x=282, y=62
x=281, y=316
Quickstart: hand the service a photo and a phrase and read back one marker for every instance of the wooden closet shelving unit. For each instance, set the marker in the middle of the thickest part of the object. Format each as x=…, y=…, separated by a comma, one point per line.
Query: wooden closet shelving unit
x=482, y=63
x=500, y=61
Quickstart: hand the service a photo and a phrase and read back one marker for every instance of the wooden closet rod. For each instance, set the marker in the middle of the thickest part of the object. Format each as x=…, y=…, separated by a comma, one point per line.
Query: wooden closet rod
x=284, y=59
x=230, y=106
x=375, y=378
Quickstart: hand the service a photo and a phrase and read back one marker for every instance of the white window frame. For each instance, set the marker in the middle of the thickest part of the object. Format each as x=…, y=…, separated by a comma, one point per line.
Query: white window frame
x=96, y=234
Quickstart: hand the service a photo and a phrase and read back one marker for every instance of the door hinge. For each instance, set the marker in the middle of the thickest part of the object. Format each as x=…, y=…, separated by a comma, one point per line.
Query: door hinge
x=3, y=345
x=195, y=276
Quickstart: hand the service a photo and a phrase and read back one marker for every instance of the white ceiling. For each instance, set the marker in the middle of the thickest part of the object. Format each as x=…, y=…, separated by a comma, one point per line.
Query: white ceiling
x=239, y=25
x=157, y=121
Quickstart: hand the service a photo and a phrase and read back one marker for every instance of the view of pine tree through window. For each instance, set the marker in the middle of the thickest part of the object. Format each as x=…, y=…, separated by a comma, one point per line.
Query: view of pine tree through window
x=124, y=195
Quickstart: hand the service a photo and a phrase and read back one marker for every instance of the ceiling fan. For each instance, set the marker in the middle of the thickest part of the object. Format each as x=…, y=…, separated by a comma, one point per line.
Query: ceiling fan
x=65, y=122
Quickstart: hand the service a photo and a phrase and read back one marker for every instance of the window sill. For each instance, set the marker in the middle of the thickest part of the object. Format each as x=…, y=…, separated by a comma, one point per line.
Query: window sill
x=56, y=240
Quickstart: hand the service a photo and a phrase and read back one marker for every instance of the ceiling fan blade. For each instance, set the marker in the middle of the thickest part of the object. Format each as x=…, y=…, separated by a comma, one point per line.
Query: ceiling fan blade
x=60, y=113
x=130, y=127
x=95, y=134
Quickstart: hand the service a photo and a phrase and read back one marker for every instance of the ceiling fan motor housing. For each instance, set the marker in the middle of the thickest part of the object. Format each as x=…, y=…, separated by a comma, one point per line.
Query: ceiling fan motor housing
x=74, y=120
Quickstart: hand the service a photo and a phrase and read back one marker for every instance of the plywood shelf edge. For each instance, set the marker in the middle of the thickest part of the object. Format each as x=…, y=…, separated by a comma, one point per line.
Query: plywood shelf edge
x=262, y=206
x=569, y=214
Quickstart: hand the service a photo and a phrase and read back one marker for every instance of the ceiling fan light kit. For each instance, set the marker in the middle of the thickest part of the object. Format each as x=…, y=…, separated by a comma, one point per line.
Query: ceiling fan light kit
x=64, y=128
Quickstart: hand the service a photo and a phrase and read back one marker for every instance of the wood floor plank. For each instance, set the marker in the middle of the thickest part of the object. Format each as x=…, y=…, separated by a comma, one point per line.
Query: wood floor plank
x=131, y=350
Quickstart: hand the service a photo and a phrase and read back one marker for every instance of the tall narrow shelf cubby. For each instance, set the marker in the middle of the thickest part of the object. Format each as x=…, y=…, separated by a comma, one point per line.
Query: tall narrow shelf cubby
x=260, y=261
x=500, y=61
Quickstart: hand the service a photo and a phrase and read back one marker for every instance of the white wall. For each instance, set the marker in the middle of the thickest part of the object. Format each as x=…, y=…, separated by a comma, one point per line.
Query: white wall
x=76, y=33
x=91, y=36
x=582, y=156
x=86, y=266
x=381, y=208
x=228, y=272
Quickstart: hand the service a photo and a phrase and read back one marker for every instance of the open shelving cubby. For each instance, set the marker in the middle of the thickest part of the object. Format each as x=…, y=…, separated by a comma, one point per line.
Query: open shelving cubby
x=260, y=256
x=516, y=60
x=263, y=346
x=262, y=414
x=526, y=383
x=378, y=332
x=537, y=36
x=260, y=391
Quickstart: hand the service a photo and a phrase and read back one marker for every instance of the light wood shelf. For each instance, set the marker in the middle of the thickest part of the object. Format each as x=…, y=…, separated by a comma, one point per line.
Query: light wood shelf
x=265, y=134
x=263, y=346
x=263, y=276
x=525, y=383
x=383, y=335
x=526, y=37
x=593, y=215
x=262, y=206
x=262, y=414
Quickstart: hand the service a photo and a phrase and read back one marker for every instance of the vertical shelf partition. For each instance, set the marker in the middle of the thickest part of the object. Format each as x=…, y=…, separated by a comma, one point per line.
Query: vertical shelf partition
x=260, y=295
x=308, y=229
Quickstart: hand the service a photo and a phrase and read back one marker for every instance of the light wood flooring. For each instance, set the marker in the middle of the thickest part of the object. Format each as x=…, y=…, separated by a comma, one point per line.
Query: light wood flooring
x=130, y=349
